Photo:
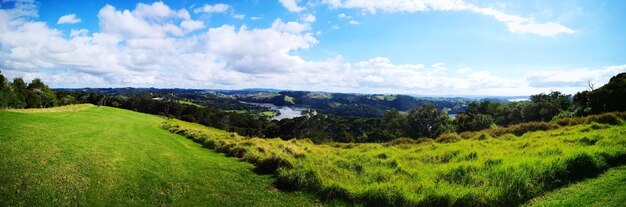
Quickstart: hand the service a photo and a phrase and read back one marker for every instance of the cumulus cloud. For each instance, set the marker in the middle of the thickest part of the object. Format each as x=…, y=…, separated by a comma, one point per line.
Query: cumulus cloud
x=68, y=19
x=572, y=78
x=239, y=16
x=152, y=45
x=191, y=25
x=309, y=18
x=354, y=22
x=291, y=5
x=516, y=24
x=216, y=8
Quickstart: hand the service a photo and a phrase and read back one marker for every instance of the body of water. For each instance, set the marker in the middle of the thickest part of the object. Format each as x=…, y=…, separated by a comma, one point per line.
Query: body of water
x=286, y=112
x=519, y=99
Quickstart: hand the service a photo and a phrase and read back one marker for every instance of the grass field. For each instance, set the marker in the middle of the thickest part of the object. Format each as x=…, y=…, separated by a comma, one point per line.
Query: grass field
x=609, y=189
x=506, y=170
x=100, y=156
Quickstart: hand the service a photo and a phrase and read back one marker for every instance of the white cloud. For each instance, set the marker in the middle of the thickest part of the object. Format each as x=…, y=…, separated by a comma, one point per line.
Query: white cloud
x=80, y=32
x=255, y=18
x=146, y=21
x=335, y=27
x=309, y=18
x=343, y=16
x=572, y=78
x=192, y=25
x=464, y=70
x=260, y=50
x=515, y=24
x=216, y=8
x=291, y=5
x=354, y=22
x=166, y=54
x=68, y=19
x=239, y=16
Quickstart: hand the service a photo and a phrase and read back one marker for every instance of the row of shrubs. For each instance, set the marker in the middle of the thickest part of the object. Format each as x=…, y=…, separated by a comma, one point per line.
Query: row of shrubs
x=612, y=118
x=267, y=155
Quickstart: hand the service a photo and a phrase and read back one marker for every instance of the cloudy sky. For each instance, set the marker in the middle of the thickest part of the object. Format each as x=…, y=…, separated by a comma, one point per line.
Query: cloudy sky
x=424, y=47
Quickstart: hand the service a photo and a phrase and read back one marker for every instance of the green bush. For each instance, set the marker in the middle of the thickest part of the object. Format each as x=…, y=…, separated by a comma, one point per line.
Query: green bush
x=448, y=138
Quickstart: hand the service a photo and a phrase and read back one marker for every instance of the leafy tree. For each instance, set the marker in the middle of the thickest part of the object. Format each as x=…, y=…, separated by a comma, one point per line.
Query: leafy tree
x=428, y=121
x=33, y=100
x=393, y=125
x=473, y=121
x=19, y=90
x=610, y=97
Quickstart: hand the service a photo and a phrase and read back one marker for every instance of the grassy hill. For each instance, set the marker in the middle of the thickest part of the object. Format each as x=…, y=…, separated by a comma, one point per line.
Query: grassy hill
x=95, y=156
x=609, y=189
x=481, y=170
x=86, y=155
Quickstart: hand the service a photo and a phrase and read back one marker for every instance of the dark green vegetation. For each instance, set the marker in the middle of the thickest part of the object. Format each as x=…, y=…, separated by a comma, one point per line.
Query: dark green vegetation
x=513, y=166
x=36, y=94
x=609, y=189
x=425, y=119
x=101, y=156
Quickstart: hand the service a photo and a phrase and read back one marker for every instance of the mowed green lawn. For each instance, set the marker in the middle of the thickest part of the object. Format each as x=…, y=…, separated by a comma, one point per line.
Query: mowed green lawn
x=105, y=156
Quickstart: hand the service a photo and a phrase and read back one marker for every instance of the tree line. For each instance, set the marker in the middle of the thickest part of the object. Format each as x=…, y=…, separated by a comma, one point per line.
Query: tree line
x=36, y=94
x=422, y=121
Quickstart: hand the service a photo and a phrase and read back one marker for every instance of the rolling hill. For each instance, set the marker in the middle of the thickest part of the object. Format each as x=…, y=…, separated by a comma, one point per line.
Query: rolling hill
x=94, y=156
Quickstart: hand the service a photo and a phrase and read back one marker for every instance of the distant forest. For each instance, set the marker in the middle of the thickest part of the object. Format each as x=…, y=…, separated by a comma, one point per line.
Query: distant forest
x=340, y=118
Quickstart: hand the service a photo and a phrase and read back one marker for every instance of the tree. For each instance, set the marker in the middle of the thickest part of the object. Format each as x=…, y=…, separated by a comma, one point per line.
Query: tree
x=473, y=122
x=393, y=125
x=428, y=121
x=37, y=84
x=19, y=92
x=33, y=100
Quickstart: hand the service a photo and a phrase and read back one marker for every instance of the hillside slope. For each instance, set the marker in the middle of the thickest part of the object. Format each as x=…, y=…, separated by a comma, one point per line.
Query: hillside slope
x=106, y=156
x=609, y=189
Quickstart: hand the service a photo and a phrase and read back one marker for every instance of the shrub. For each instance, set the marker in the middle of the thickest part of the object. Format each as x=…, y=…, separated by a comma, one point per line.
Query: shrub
x=607, y=118
x=467, y=134
x=521, y=129
x=482, y=136
x=400, y=141
x=448, y=138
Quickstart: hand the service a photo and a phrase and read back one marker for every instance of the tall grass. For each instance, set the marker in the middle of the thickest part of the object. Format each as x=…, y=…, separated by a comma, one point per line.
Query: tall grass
x=501, y=167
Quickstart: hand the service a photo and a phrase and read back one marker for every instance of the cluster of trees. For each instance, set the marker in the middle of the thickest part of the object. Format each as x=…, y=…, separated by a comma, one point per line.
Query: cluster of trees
x=608, y=98
x=546, y=107
x=36, y=94
x=541, y=107
x=423, y=121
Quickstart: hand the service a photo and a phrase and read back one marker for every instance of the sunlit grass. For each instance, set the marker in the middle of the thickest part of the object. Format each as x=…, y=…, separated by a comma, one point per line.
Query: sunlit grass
x=482, y=170
x=101, y=156
x=609, y=189
x=68, y=108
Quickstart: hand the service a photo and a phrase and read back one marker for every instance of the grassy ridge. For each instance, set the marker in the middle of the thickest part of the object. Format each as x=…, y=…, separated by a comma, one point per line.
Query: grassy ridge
x=101, y=156
x=481, y=170
x=609, y=189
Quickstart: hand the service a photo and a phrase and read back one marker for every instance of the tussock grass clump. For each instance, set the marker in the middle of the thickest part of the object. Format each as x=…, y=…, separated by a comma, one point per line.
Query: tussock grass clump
x=494, y=167
x=448, y=138
x=612, y=118
x=523, y=128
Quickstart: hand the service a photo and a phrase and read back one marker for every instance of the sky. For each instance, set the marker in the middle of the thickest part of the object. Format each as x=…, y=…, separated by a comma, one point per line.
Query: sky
x=418, y=47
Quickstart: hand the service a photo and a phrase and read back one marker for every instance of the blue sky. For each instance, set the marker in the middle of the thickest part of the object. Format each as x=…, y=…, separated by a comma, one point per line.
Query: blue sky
x=447, y=47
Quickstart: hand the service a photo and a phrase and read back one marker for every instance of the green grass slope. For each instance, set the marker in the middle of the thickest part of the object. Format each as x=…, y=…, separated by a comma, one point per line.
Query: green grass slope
x=607, y=190
x=104, y=156
x=505, y=170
